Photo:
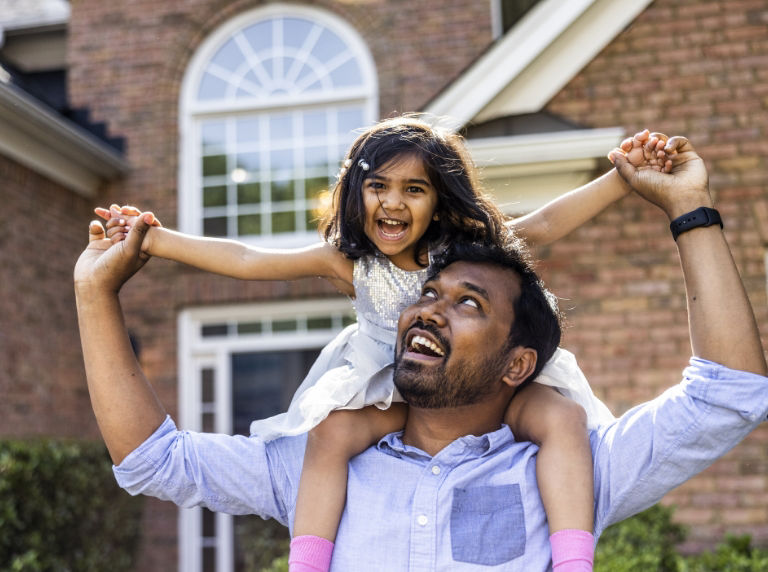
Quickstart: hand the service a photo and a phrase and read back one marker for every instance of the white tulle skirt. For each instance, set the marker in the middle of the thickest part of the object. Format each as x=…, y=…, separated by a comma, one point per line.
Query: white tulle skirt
x=355, y=370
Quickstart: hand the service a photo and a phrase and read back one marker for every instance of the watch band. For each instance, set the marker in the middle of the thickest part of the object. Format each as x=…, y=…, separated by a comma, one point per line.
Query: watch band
x=702, y=216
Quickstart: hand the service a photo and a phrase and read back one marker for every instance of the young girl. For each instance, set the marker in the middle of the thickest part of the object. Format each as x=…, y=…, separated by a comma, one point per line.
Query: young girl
x=406, y=189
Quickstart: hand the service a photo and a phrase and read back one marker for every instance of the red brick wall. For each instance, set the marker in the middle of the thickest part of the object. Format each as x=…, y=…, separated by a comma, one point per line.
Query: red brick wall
x=697, y=68
x=42, y=381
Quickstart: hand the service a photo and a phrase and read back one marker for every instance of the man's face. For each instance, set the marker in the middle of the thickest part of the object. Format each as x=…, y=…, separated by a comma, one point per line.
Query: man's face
x=451, y=348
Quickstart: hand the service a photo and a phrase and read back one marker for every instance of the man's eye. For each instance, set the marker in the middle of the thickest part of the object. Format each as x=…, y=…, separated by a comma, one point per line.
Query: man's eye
x=470, y=302
x=429, y=293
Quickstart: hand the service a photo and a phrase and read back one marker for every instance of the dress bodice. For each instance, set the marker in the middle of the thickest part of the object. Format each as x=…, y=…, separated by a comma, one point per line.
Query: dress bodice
x=382, y=292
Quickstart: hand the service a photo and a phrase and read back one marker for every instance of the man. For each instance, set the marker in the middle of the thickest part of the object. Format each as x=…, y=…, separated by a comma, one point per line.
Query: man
x=454, y=491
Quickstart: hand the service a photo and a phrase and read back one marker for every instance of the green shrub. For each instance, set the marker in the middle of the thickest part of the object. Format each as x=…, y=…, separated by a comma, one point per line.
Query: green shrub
x=647, y=542
x=61, y=510
x=736, y=554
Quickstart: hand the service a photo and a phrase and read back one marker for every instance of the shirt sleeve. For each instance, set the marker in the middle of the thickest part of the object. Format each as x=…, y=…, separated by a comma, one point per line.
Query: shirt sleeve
x=225, y=473
x=658, y=445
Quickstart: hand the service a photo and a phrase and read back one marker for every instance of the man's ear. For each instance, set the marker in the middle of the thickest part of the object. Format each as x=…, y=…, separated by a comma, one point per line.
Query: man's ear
x=522, y=362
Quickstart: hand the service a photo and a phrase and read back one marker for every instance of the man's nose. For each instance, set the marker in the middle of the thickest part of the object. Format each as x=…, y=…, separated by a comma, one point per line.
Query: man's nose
x=433, y=313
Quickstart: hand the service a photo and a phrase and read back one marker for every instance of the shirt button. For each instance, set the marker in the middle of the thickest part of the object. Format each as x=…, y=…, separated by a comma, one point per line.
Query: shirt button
x=422, y=520
x=435, y=470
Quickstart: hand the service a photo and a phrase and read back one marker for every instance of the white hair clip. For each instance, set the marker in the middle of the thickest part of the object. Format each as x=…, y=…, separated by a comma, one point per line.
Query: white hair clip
x=363, y=165
x=347, y=163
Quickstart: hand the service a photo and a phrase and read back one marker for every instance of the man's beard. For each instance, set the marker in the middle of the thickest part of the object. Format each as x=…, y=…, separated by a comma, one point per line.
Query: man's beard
x=450, y=384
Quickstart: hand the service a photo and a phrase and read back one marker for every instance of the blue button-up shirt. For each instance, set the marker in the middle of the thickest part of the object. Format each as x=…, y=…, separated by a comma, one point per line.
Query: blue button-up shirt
x=476, y=502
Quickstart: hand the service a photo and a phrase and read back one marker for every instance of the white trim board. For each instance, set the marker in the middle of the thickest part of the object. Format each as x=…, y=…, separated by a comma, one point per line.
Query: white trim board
x=56, y=148
x=523, y=70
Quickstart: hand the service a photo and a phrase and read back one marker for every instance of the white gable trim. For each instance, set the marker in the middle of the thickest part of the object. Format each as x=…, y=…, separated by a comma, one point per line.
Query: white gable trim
x=525, y=172
x=54, y=147
x=535, y=59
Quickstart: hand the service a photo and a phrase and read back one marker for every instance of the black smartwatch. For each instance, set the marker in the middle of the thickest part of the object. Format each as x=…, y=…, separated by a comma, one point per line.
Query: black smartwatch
x=702, y=216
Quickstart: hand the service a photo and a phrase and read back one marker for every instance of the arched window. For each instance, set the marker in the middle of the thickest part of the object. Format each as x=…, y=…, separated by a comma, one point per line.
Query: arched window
x=270, y=103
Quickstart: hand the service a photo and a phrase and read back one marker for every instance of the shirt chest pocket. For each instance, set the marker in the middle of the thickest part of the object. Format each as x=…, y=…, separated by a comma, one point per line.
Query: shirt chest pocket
x=487, y=524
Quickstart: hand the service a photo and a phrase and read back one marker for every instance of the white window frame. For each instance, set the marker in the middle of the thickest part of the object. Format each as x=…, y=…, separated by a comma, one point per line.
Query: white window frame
x=197, y=352
x=191, y=111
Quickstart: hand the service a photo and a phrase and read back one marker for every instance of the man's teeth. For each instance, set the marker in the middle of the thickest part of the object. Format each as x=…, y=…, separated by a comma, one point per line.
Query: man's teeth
x=425, y=343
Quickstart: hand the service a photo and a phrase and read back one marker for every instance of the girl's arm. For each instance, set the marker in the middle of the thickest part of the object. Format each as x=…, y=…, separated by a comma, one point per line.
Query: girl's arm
x=571, y=210
x=237, y=260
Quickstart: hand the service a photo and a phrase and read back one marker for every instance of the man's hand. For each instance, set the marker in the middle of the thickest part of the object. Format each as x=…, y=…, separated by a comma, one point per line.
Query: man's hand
x=682, y=190
x=105, y=267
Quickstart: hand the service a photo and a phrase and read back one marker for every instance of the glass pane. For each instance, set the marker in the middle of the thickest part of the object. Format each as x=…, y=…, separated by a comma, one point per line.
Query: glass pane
x=281, y=160
x=248, y=224
x=283, y=222
x=316, y=157
x=214, y=165
x=209, y=523
x=247, y=130
x=295, y=31
x=306, y=75
x=206, y=383
x=214, y=135
x=208, y=423
x=312, y=220
x=228, y=57
x=328, y=46
x=212, y=330
x=346, y=75
x=284, y=326
x=212, y=87
x=250, y=85
x=215, y=196
x=283, y=191
x=350, y=119
x=259, y=36
x=215, y=226
x=320, y=323
x=248, y=161
x=209, y=559
x=315, y=124
x=280, y=127
x=249, y=328
x=249, y=194
x=263, y=383
x=316, y=187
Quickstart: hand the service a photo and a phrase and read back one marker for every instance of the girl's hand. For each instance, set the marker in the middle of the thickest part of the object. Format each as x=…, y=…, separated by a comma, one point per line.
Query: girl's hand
x=646, y=150
x=121, y=219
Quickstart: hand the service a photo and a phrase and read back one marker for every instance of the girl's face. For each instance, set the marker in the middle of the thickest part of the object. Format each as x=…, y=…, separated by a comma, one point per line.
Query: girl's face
x=400, y=202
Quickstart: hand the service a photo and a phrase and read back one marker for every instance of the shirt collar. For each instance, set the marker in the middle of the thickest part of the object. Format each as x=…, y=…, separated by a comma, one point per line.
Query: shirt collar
x=475, y=445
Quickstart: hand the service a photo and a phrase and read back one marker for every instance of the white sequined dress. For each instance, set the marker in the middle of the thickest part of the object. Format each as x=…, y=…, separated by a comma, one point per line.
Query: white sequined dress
x=355, y=369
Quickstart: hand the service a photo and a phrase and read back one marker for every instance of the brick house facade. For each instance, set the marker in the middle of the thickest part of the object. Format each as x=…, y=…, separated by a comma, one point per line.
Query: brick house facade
x=694, y=67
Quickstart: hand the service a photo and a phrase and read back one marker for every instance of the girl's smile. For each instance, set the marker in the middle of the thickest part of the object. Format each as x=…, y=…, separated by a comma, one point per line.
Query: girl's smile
x=400, y=202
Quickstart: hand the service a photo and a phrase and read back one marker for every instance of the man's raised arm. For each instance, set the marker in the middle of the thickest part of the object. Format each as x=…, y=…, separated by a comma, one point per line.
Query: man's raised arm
x=126, y=407
x=722, y=324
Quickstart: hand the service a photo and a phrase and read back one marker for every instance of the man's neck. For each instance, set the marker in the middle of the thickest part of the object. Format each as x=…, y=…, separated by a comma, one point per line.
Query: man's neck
x=431, y=430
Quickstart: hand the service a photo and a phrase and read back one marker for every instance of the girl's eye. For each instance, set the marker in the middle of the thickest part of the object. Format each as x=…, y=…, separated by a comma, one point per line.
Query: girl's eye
x=415, y=190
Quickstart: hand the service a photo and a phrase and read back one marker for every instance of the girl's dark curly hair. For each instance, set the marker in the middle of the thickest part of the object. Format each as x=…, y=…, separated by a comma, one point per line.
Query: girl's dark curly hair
x=465, y=212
